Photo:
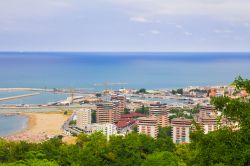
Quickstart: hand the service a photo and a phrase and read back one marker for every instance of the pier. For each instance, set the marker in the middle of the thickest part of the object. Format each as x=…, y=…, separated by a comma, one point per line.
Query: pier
x=19, y=96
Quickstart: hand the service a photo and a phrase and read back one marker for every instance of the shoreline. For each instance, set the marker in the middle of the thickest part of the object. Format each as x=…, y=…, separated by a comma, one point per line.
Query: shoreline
x=40, y=126
x=28, y=123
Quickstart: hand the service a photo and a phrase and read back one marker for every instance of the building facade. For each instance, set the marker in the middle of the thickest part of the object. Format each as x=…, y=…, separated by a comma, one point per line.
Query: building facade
x=180, y=130
x=119, y=102
x=207, y=118
x=83, y=117
x=148, y=126
x=159, y=112
x=107, y=129
x=105, y=113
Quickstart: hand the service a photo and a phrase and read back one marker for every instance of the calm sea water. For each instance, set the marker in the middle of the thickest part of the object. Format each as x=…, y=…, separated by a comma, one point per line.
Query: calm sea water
x=43, y=98
x=11, y=124
x=148, y=70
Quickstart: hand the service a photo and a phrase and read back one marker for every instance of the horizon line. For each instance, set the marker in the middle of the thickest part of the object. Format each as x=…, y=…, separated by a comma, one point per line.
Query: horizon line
x=124, y=51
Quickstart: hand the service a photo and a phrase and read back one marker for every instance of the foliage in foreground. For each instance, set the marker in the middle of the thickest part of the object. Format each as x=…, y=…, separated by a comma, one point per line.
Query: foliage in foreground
x=225, y=146
x=133, y=149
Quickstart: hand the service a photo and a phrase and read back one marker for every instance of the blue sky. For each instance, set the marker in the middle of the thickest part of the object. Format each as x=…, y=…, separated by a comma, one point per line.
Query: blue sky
x=124, y=25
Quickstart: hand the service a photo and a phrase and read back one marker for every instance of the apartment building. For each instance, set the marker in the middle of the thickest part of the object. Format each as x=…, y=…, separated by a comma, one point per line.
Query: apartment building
x=105, y=113
x=148, y=126
x=119, y=102
x=208, y=118
x=180, y=130
x=159, y=112
x=83, y=117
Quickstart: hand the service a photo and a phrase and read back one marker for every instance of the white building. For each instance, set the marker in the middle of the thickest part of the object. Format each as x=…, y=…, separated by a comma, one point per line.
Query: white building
x=83, y=117
x=107, y=129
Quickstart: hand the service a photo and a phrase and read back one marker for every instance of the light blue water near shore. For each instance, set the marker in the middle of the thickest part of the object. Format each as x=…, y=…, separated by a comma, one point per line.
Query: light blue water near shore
x=42, y=98
x=11, y=124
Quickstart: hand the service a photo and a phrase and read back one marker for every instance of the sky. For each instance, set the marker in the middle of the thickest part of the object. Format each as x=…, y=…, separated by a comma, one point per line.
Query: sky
x=125, y=25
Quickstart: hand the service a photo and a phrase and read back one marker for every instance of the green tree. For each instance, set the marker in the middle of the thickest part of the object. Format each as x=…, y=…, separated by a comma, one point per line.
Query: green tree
x=142, y=90
x=93, y=116
x=98, y=95
x=179, y=91
x=164, y=132
x=82, y=139
x=143, y=110
x=165, y=144
x=226, y=145
x=162, y=159
x=72, y=122
x=126, y=111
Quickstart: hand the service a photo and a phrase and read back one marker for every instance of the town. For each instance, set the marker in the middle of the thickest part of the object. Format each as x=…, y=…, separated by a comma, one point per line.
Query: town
x=124, y=111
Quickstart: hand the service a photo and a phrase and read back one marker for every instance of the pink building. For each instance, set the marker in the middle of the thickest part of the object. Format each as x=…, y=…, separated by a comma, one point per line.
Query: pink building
x=180, y=130
x=159, y=112
x=148, y=126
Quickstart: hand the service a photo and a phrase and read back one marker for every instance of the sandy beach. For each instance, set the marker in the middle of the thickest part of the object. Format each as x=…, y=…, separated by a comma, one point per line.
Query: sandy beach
x=41, y=126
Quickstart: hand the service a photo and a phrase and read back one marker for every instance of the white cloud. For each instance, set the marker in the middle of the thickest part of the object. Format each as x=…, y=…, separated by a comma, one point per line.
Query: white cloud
x=233, y=10
x=30, y=8
x=238, y=38
x=178, y=26
x=247, y=25
x=140, y=19
x=188, y=33
x=142, y=34
x=155, y=32
x=223, y=31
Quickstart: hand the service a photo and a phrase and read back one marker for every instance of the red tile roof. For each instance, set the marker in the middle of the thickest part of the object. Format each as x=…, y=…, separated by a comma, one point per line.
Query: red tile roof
x=124, y=122
x=133, y=115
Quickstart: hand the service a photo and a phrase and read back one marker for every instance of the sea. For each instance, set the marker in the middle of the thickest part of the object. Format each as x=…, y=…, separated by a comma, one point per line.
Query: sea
x=150, y=70
x=10, y=124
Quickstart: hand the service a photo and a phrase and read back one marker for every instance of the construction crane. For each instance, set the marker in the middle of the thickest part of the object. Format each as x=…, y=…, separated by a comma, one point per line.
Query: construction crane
x=106, y=84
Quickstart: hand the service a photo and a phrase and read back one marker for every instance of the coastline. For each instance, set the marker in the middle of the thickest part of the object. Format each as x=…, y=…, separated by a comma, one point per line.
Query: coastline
x=35, y=130
x=26, y=125
x=30, y=123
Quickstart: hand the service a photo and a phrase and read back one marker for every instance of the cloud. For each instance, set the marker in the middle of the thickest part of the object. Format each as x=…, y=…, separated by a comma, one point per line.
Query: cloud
x=178, y=26
x=233, y=10
x=30, y=8
x=223, y=31
x=188, y=33
x=140, y=19
x=142, y=34
x=247, y=25
x=155, y=32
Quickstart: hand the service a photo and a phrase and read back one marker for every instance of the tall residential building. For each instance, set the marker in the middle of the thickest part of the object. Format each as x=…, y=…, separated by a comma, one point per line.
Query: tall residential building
x=119, y=105
x=180, y=130
x=110, y=112
x=159, y=112
x=209, y=124
x=105, y=113
x=207, y=118
x=83, y=117
x=148, y=126
x=207, y=111
x=121, y=99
